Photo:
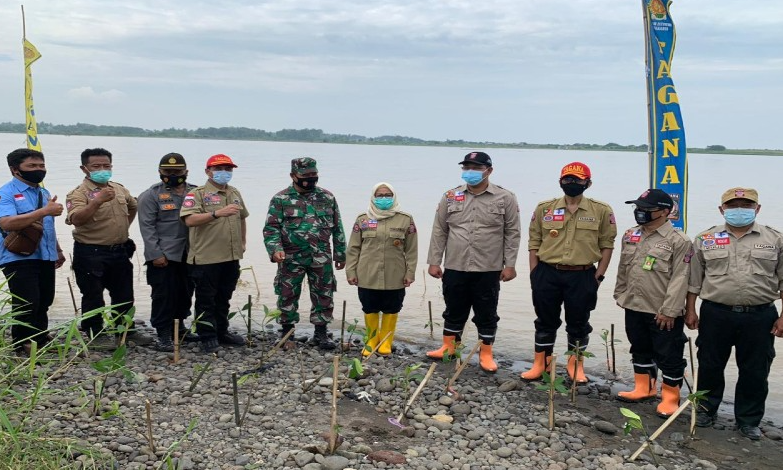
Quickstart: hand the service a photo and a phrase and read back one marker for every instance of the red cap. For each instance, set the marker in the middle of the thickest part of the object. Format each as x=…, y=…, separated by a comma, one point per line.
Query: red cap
x=578, y=169
x=220, y=160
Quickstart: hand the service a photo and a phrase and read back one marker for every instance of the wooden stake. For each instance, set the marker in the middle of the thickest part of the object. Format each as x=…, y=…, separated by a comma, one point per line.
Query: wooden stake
x=73, y=298
x=432, y=327
x=611, y=341
x=333, y=433
x=201, y=374
x=148, y=406
x=342, y=327
x=235, y=387
x=660, y=430
x=462, y=367
x=377, y=346
x=695, y=387
x=249, y=318
x=552, y=371
x=418, y=390
x=176, y=340
x=576, y=368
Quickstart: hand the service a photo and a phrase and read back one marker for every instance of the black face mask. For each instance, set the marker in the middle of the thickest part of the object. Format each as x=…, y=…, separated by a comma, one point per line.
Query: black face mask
x=308, y=184
x=643, y=217
x=35, y=176
x=573, y=189
x=172, y=180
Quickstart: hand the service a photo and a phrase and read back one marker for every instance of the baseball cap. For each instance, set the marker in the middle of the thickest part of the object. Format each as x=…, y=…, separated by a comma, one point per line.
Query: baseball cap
x=304, y=165
x=220, y=160
x=479, y=158
x=653, y=199
x=740, y=193
x=172, y=160
x=578, y=169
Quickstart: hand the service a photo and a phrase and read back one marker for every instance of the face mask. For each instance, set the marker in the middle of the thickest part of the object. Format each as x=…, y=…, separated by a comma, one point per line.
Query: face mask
x=34, y=176
x=383, y=203
x=573, y=189
x=222, y=177
x=739, y=216
x=100, y=176
x=308, y=184
x=473, y=177
x=643, y=217
x=173, y=180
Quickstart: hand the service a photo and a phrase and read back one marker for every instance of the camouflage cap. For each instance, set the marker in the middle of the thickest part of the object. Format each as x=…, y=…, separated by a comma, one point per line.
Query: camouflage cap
x=303, y=165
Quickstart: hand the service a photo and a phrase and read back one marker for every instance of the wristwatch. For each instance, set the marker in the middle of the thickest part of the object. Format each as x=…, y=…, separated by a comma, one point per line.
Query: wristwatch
x=601, y=278
x=214, y=216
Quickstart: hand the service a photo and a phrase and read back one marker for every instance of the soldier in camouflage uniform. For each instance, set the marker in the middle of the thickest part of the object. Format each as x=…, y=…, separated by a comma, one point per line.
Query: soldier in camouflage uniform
x=301, y=220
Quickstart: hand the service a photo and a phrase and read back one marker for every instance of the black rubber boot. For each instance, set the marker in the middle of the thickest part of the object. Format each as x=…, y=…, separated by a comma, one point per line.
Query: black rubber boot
x=321, y=338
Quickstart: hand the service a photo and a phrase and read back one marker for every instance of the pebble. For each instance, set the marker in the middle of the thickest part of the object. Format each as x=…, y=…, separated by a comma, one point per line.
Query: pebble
x=606, y=427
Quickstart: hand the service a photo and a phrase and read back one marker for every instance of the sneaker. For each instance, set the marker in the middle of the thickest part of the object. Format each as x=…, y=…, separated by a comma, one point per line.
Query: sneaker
x=751, y=432
x=164, y=344
x=209, y=345
x=704, y=420
x=321, y=338
x=231, y=338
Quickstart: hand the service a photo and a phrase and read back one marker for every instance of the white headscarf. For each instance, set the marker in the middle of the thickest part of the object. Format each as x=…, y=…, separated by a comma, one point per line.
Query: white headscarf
x=377, y=214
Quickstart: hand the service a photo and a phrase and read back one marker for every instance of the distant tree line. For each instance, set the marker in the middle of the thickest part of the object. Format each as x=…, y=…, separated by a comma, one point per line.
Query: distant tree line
x=316, y=135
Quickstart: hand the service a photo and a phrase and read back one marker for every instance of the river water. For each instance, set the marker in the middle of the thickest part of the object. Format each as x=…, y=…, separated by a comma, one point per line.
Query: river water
x=420, y=175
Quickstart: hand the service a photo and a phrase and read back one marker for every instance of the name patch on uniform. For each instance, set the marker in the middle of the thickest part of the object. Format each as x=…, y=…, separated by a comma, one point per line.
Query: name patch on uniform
x=713, y=247
x=558, y=215
x=722, y=238
x=764, y=247
x=586, y=219
x=168, y=207
x=663, y=246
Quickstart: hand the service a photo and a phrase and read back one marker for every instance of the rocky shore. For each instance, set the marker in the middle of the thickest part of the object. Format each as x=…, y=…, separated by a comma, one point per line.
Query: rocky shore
x=493, y=422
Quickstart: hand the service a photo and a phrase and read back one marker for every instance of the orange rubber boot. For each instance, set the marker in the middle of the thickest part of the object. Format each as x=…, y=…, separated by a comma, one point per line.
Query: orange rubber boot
x=670, y=401
x=644, y=389
x=449, y=345
x=485, y=358
x=540, y=364
x=580, y=370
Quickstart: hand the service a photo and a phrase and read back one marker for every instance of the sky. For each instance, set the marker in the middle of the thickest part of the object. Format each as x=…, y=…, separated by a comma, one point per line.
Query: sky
x=536, y=71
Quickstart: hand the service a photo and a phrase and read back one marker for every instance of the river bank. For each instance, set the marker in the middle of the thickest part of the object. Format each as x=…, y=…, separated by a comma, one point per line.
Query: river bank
x=494, y=422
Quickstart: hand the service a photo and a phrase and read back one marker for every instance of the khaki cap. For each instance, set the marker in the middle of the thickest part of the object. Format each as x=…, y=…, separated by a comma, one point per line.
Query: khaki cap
x=740, y=193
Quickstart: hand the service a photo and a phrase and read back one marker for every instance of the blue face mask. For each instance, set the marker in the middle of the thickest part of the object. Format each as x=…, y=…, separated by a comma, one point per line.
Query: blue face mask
x=739, y=216
x=473, y=177
x=222, y=177
x=100, y=176
x=383, y=203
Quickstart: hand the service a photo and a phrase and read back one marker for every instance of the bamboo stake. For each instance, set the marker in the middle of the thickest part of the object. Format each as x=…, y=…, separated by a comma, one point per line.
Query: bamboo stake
x=148, y=406
x=342, y=328
x=611, y=341
x=660, y=429
x=333, y=433
x=576, y=368
x=249, y=319
x=462, y=367
x=73, y=298
x=418, y=391
x=552, y=371
x=432, y=328
x=176, y=340
x=695, y=387
x=201, y=374
x=235, y=387
x=255, y=280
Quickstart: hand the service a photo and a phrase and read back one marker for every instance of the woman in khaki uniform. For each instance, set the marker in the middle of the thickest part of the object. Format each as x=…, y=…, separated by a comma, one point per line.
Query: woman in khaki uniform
x=381, y=261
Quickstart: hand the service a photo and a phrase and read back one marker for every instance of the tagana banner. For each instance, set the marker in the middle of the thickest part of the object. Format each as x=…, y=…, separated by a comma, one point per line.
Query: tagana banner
x=31, y=54
x=668, y=155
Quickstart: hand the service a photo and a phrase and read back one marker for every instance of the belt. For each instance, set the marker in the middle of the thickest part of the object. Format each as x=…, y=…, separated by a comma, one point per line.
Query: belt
x=740, y=308
x=120, y=246
x=570, y=267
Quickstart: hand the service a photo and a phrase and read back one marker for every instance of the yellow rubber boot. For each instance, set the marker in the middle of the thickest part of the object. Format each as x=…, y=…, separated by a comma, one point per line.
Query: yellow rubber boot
x=485, y=358
x=540, y=364
x=670, y=401
x=371, y=324
x=644, y=389
x=580, y=370
x=388, y=327
x=449, y=346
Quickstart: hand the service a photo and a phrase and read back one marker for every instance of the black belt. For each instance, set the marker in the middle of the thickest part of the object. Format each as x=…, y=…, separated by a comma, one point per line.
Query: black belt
x=120, y=246
x=570, y=267
x=740, y=308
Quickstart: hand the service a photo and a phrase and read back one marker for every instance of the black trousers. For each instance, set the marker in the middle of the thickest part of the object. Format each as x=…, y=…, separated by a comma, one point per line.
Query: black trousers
x=102, y=267
x=721, y=329
x=215, y=284
x=465, y=290
x=171, y=293
x=653, y=348
x=32, y=284
x=576, y=291
x=381, y=301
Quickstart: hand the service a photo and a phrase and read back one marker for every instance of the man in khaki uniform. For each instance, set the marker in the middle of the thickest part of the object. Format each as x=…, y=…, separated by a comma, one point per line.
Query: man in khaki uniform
x=737, y=270
x=381, y=260
x=477, y=228
x=652, y=282
x=101, y=212
x=215, y=214
x=568, y=235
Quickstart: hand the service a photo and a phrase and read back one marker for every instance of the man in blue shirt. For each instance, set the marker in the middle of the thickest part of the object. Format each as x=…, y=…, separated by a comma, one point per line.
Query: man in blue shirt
x=30, y=278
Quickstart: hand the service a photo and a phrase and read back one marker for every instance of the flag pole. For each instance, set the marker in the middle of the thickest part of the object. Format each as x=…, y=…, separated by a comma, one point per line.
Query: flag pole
x=650, y=156
x=24, y=27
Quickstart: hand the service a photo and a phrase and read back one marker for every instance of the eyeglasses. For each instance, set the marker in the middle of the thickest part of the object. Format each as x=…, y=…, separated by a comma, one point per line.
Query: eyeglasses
x=569, y=180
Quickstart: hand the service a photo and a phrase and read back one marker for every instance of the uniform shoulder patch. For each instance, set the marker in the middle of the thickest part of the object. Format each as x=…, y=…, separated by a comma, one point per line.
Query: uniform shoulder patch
x=547, y=202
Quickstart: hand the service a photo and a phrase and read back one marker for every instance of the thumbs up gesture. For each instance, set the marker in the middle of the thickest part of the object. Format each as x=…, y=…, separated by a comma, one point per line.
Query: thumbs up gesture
x=53, y=207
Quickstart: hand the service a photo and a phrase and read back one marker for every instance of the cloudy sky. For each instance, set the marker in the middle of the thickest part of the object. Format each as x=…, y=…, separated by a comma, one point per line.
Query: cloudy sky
x=543, y=71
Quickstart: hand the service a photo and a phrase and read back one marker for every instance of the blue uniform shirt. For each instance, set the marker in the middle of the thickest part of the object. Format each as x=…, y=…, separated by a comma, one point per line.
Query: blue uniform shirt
x=17, y=198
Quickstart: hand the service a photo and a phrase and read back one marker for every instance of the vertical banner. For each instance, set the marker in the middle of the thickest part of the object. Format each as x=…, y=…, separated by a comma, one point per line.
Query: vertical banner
x=667, y=151
x=31, y=54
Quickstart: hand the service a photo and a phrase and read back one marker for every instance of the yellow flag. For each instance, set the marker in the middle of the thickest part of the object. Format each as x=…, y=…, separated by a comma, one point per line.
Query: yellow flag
x=31, y=54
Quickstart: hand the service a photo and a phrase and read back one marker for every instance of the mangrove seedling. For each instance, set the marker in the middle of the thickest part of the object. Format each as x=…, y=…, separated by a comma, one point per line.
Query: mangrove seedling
x=580, y=356
x=634, y=421
x=405, y=378
x=552, y=384
x=609, y=341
